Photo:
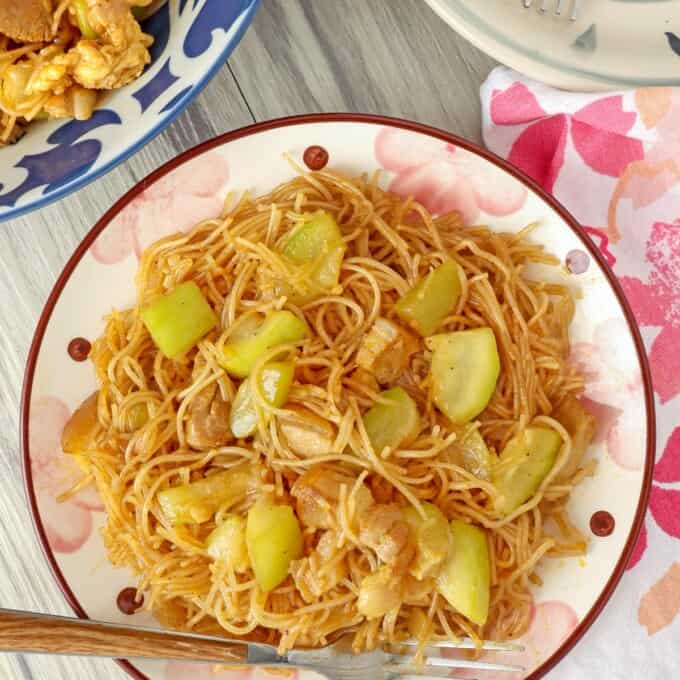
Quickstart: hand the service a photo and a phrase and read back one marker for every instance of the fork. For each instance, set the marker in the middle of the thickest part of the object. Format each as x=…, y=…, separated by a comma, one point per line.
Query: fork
x=29, y=632
x=559, y=6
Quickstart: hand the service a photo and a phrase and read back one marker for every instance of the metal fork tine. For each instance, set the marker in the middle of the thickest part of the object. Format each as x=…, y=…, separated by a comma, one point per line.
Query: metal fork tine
x=434, y=664
x=574, y=10
x=558, y=4
x=464, y=643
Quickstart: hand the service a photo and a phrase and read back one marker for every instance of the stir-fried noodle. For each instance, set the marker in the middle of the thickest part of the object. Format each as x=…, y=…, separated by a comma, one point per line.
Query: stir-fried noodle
x=151, y=410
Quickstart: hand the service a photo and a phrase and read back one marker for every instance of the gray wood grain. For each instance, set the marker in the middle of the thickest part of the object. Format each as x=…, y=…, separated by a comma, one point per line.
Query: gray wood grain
x=393, y=57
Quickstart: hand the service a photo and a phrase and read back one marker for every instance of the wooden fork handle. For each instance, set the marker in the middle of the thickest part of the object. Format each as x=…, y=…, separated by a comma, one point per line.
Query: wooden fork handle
x=42, y=633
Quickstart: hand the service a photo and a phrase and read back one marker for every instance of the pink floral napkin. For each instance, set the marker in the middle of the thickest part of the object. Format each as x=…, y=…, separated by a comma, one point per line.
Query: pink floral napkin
x=614, y=161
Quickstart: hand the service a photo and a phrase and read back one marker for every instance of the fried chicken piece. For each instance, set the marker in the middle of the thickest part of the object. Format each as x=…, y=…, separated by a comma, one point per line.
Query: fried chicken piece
x=26, y=20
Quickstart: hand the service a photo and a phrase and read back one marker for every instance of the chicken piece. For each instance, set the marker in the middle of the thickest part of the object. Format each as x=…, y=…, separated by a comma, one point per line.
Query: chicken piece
x=417, y=592
x=386, y=350
x=306, y=433
x=13, y=88
x=116, y=57
x=384, y=529
x=80, y=431
x=120, y=52
x=77, y=102
x=318, y=492
x=379, y=593
x=365, y=378
x=208, y=425
x=313, y=577
x=26, y=20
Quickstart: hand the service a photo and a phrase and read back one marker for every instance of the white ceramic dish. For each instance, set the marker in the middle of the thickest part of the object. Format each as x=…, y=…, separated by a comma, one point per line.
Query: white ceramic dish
x=612, y=44
x=445, y=173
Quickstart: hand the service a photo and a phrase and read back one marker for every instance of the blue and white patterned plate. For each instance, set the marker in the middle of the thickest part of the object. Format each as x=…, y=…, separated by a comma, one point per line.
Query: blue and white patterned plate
x=613, y=43
x=192, y=40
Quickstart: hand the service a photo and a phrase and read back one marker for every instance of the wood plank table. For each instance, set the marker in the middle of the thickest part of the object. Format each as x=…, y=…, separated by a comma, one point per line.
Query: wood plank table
x=393, y=57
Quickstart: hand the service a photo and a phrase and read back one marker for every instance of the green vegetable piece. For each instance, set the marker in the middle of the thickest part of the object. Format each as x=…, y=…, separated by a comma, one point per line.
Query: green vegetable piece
x=523, y=465
x=465, y=577
x=178, y=320
x=312, y=238
x=278, y=328
x=198, y=501
x=227, y=543
x=432, y=539
x=465, y=368
x=274, y=539
x=138, y=416
x=83, y=21
x=275, y=380
x=474, y=455
x=393, y=421
x=317, y=243
x=431, y=300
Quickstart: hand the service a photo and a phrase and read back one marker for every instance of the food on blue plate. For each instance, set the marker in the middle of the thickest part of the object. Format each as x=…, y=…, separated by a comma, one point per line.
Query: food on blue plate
x=331, y=411
x=57, y=57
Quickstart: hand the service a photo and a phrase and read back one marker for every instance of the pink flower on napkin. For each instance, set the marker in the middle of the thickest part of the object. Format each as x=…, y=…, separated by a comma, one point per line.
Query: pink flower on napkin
x=68, y=525
x=656, y=302
x=649, y=189
x=664, y=502
x=601, y=240
x=661, y=604
x=174, y=203
x=598, y=132
x=445, y=178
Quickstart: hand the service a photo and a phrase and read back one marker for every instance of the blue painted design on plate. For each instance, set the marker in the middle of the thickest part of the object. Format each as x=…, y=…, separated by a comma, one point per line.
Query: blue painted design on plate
x=587, y=41
x=212, y=15
x=64, y=161
x=674, y=42
x=148, y=94
x=176, y=99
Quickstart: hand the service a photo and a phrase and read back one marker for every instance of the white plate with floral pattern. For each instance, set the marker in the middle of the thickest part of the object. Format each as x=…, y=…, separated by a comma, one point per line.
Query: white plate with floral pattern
x=611, y=44
x=443, y=172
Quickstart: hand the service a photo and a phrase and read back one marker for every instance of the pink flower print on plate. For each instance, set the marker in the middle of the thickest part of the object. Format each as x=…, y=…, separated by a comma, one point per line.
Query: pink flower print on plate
x=551, y=623
x=69, y=524
x=174, y=203
x=612, y=394
x=446, y=178
x=656, y=302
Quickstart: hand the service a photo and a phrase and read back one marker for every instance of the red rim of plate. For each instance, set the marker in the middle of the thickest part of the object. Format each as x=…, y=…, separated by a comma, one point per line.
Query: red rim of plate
x=85, y=244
